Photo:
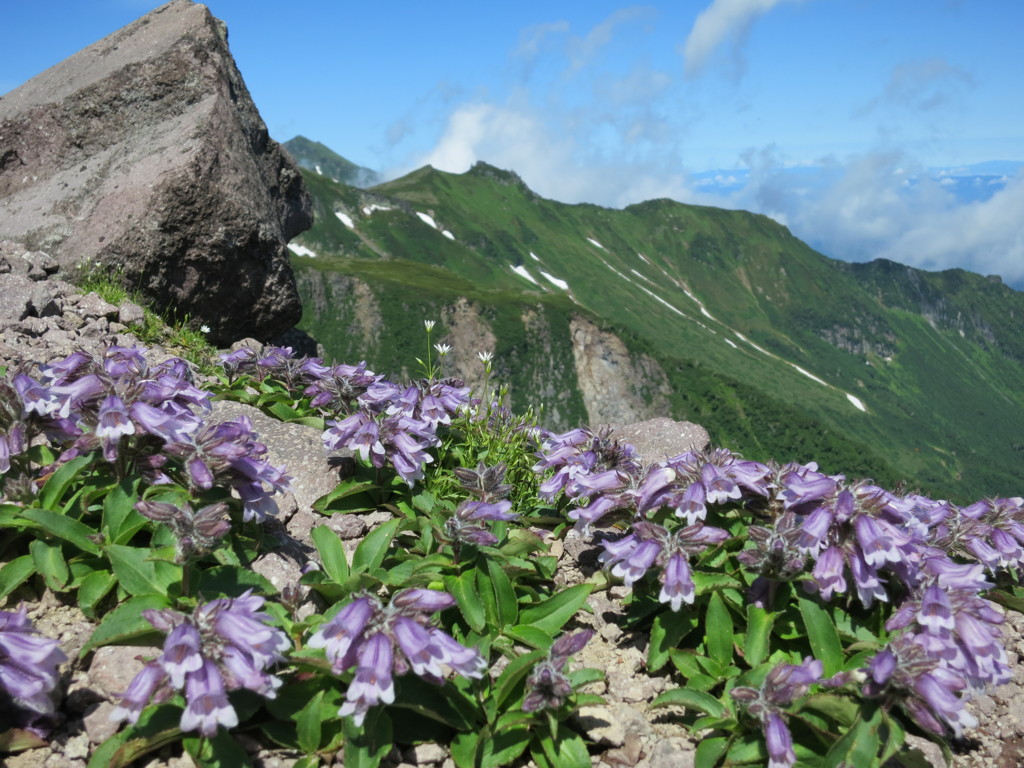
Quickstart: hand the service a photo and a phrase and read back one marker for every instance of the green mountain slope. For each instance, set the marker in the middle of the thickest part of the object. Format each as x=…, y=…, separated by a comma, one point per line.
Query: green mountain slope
x=314, y=156
x=876, y=369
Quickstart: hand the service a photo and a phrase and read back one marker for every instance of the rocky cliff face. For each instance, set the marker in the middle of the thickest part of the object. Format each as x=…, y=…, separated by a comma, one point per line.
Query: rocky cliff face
x=145, y=151
x=617, y=386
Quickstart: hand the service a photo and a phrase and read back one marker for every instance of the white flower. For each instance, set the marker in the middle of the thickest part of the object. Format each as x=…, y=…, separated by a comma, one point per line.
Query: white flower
x=485, y=357
x=204, y=328
x=429, y=325
x=443, y=349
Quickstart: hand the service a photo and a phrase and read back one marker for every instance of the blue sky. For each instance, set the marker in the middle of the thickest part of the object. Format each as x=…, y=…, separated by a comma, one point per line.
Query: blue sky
x=846, y=120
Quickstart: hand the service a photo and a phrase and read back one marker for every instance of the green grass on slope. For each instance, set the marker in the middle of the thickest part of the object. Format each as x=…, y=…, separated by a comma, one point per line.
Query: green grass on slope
x=943, y=410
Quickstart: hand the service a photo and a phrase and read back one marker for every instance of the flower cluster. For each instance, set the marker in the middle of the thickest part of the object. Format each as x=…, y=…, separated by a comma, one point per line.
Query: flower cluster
x=592, y=470
x=137, y=414
x=28, y=665
x=548, y=686
x=196, y=533
x=382, y=641
x=650, y=544
x=398, y=425
x=487, y=485
x=783, y=685
x=224, y=645
x=228, y=453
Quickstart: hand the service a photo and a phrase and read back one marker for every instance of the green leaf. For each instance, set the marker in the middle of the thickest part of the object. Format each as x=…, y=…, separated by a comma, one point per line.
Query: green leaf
x=232, y=581
x=50, y=562
x=15, y=573
x=822, y=635
x=125, y=623
x=552, y=614
x=750, y=749
x=841, y=709
x=464, y=749
x=506, y=745
x=344, y=489
x=332, y=553
x=366, y=746
x=120, y=519
x=463, y=589
x=504, y=594
x=64, y=527
x=157, y=727
x=94, y=588
x=567, y=750
x=530, y=636
x=138, y=573
x=709, y=750
x=718, y=628
x=220, y=751
x=55, y=486
x=666, y=633
x=686, y=697
x=1006, y=600
x=308, y=722
x=759, y=630
x=17, y=740
x=371, y=551
x=860, y=744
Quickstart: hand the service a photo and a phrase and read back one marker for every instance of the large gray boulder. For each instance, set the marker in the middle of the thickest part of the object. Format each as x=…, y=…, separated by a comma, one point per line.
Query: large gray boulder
x=145, y=151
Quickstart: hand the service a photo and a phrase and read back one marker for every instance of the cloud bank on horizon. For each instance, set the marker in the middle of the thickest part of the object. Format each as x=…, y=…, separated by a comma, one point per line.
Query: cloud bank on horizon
x=608, y=136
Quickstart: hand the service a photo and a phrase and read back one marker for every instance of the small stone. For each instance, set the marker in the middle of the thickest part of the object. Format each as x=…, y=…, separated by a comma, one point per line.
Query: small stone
x=601, y=726
x=92, y=305
x=130, y=313
x=611, y=632
x=425, y=754
x=77, y=747
x=98, y=725
x=96, y=328
x=348, y=526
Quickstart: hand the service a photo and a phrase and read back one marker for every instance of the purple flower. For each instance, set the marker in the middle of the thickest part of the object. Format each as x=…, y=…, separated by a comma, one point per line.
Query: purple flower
x=649, y=544
x=548, y=685
x=224, y=645
x=778, y=741
x=386, y=640
x=207, y=705
x=28, y=663
x=143, y=687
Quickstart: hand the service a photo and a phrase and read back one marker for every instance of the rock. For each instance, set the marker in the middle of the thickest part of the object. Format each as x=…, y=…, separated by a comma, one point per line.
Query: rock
x=616, y=386
x=601, y=726
x=662, y=438
x=425, y=754
x=145, y=152
x=298, y=448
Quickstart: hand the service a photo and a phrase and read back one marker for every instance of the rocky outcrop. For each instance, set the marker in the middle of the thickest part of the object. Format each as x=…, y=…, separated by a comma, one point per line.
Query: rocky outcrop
x=145, y=151
x=617, y=386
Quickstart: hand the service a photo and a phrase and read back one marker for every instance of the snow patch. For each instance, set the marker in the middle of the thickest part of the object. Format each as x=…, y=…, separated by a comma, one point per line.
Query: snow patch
x=856, y=402
x=555, y=281
x=427, y=219
x=534, y=256
x=592, y=241
x=705, y=313
x=318, y=171
x=731, y=343
x=809, y=375
x=345, y=219
x=522, y=272
x=448, y=234
x=301, y=250
x=368, y=209
x=644, y=258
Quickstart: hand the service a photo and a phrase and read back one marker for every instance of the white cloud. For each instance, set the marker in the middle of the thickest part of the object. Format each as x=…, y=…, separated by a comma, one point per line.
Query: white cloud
x=722, y=21
x=883, y=205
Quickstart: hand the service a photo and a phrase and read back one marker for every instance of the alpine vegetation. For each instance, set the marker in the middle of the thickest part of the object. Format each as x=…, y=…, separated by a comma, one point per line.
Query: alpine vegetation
x=801, y=617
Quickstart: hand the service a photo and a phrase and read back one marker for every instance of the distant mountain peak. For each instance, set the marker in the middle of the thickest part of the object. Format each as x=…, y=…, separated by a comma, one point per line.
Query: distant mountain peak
x=321, y=159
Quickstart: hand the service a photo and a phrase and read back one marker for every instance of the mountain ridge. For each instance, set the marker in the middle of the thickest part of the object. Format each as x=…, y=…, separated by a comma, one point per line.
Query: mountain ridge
x=906, y=367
